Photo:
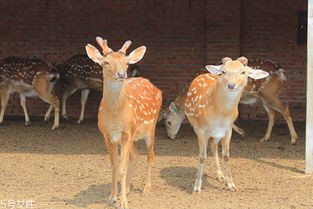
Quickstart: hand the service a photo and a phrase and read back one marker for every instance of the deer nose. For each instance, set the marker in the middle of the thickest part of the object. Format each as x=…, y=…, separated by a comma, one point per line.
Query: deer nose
x=121, y=75
x=231, y=85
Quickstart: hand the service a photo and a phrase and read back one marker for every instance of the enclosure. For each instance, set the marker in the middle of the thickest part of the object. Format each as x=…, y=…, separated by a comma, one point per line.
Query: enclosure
x=70, y=167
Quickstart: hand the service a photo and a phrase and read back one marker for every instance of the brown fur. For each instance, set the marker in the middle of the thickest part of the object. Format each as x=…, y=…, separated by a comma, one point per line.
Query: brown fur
x=128, y=111
x=28, y=77
x=80, y=72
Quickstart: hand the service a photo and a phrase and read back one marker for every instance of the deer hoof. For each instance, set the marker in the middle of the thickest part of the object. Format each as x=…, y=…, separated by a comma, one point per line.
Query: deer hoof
x=112, y=200
x=27, y=123
x=264, y=139
x=220, y=179
x=147, y=189
x=55, y=127
x=79, y=121
x=231, y=187
x=293, y=141
x=196, y=191
x=124, y=204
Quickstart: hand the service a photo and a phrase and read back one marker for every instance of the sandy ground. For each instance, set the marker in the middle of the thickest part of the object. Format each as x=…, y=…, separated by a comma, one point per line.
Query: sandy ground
x=69, y=168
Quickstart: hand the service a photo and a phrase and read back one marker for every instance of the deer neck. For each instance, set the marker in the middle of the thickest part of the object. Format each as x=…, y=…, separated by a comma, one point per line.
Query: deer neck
x=114, y=94
x=226, y=101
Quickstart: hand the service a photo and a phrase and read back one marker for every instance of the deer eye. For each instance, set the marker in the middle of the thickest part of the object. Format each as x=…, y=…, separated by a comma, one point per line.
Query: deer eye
x=168, y=123
x=243, y=72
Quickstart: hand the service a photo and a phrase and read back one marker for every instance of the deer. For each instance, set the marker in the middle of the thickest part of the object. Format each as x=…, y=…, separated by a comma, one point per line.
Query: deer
x=128, y=112
x=81, y=73
x=174, y=115
x=267, y=90
x=211, y=107
x=28, y=77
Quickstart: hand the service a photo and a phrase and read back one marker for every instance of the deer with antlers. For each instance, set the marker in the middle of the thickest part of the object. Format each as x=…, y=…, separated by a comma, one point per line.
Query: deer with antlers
x=28, y=77
x=128, y=111
x=81, y=73
x=266, y=89
x=211, y=107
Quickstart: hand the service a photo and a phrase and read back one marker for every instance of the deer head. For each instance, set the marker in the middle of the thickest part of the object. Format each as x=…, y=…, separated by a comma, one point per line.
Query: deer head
x=173, y=118
x=235, y=73
x=114, y=64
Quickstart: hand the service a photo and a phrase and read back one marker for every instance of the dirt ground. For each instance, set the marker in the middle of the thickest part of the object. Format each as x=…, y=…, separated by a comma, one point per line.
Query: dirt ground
x=70, y=168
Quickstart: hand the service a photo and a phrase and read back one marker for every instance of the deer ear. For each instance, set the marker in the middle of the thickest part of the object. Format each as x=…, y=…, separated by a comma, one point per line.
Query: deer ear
x=136, y=55
x=214, y=69
x=94, y=54
x=257, y=73
x=173, y=107
x=243, y=60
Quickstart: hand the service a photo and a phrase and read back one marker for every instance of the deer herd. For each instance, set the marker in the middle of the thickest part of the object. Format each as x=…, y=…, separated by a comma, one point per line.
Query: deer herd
x=130, y=105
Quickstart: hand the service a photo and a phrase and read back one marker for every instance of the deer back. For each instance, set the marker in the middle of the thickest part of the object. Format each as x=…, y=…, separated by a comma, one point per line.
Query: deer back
x=272, y=83
x=24, y=71
x=82, y=71
x=144, y=98
x=199, y=95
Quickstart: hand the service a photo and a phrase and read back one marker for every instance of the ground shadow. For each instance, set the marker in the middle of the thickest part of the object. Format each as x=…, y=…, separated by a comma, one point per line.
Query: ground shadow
x=279, y=166
x=95, y=194
x=184, y=178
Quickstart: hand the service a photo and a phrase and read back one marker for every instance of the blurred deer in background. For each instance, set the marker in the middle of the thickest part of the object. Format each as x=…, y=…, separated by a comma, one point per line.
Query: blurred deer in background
x=29, y=78
x=211, y=107
x=80, y=72
x=266, y=89
x=128, y=111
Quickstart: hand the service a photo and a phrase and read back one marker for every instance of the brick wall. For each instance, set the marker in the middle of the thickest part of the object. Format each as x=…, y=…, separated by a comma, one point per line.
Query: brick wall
x=181, y=36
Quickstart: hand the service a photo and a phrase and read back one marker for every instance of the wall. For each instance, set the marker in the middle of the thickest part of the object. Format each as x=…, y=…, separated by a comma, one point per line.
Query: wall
x=181, y=35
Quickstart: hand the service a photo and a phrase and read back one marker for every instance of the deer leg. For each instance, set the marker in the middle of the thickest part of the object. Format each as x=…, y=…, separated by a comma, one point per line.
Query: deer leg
x=214, y=149
x=126, y=146
x=23, y=104
x=284, y=110
x=4, y=95
x=48, y=113
x=132, y=161
x=225, y=153
x=42, y=87
x=84, y=97
x=150, y=158
x=271, y=116
x=203, y=143
x=239, y=131
x=67, y=92
x=113, y=152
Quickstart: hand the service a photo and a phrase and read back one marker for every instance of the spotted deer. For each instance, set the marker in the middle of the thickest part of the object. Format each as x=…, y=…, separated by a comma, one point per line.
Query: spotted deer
x=266, y=89
x=128, y=111
x=81, y=73
x=211, y=107
x=174, y=114
x=29, y=77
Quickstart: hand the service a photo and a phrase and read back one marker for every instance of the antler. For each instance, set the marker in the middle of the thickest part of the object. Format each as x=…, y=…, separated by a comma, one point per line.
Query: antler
x=125, y=47
x=104, y=45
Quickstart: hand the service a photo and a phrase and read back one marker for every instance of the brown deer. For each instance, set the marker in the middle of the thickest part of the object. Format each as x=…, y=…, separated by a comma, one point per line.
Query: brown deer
x=266, y=89
x=128, y=111
x=80, y=72
x=174, y=114
x=28, y=77
x=211, y=107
